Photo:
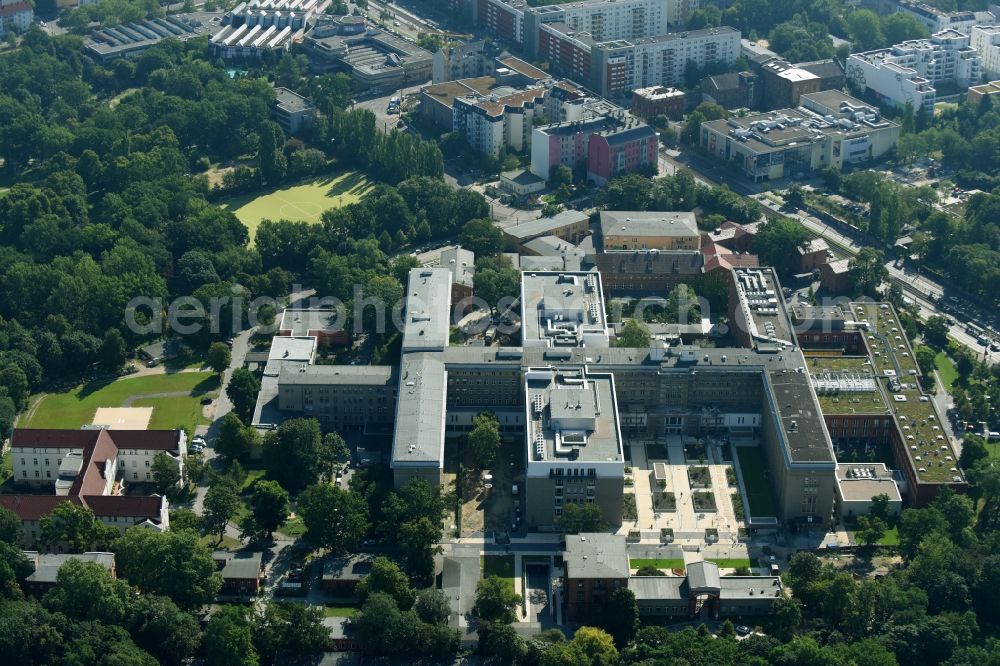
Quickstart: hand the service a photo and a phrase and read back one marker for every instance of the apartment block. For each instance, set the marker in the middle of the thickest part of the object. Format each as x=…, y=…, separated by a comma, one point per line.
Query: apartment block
x=605, y=20
x=618, y=67
x=502, y=18
x=607, y=145
x=496, y=122
x=986, y=40
x=829, y=129
x=15, y=16
x=936, y=20
x=913, y=71
x=462, y=61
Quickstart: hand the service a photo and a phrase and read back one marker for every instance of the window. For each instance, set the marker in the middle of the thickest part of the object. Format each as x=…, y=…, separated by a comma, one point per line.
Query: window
x=24, y=473
x=34, y=461
x=135, y=476
x=46, y=461
x=36, y=474
x=147, y=463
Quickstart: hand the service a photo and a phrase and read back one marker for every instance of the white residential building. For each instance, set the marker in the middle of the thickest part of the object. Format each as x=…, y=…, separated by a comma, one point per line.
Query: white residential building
x=912, y=71
x=986, y=40
x=619, y=67
x=606, y=20
x=493, y=122
x=15, y=15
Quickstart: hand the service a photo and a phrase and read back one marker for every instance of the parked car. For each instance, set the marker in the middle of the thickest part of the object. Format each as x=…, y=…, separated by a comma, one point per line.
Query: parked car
x=742, y=630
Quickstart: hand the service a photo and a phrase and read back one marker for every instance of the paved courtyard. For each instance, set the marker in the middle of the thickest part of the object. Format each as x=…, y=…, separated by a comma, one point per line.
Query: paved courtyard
x=687, y=523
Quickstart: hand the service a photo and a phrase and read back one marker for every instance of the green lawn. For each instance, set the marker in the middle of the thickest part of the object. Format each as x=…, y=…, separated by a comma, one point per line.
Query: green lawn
x=664, y=564
x=735, y=563
x=501, y=566
x=294, y=527
x=76, y=407
x=946, y=369
x=302, y=202
x=890, y=538
x=994, y=449
x=753, y=466
x=339, y=611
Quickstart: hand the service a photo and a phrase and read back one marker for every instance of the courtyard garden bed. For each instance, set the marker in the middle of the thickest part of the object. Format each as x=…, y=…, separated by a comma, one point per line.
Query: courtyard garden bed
x=703, y=501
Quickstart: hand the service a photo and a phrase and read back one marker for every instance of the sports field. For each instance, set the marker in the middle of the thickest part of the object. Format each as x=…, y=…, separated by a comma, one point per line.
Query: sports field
x=175, y=400
x=302, y=202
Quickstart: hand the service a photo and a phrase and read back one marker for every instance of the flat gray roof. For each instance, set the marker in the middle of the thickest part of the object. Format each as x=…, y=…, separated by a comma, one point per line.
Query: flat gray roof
x=301, y=321
x=560, y=309
x=420, y=411
x=288, y=348
x=596, y=555
x=291, y=101
x=428, y=309
x=243, y=566
x=328, y=375
x=800, y=421
x=461, y=263
x=648, y=223
x=658, y=587
x=574, y=416
x=763, y=307
x=545, y=226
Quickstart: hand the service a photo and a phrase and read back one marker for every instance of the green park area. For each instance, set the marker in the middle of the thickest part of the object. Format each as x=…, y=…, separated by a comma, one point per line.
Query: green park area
x=946, y=369
x=501, y=566
x=661, y=563
x=175, y=399
x=304, y=201
x=758, y=488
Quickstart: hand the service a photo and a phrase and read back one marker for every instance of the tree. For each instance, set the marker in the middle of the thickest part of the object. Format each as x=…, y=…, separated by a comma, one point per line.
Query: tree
x=113, y=351
x=228, y=640
x=334, y=518
x=269, y=504
x=795, y=196
x=621, y=616
x=867, y=271
x=174, y=564
x=161, y=628
x=561, y=175
x=417, y=540
x=432, y=606
x=649, y=570
x=879, y=507
x=870, y=530
x=10, y=527
x=235, y=440
x=496, y=601
x=483, y=441
x=936, y=332
x=727, y=630
x=166, y=473
x=219, y=357
x=682, y=305
x=294, y=455
x=596, y=644
x=386, y=578
x=185, y=519
x=501, y=640
x=336, y=448
x=786, y=617
x=272, y=159
x=222, y=501
x=287, y=632
x=86, y=591
x=973, y=450
x=777, y=242
x=634, y=334
x=242, y=391
x=76, y=527
x=629, y=192
x=577, y=518
x=482, y=237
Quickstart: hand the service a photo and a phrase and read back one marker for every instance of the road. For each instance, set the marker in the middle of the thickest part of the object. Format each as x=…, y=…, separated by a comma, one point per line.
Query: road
x=384, y=121
x=919, y=288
